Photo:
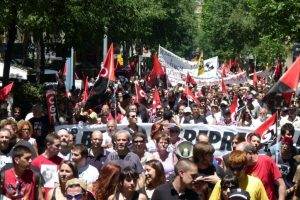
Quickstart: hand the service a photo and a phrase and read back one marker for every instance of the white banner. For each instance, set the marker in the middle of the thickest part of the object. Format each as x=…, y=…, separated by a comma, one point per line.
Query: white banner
x=219, y=136
x=177, y=67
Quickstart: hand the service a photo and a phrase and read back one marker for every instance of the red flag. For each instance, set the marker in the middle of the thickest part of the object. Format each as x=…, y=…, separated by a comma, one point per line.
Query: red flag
x=287, y=97
x=108, y=68
x=224, y=89
x=266, y=125
x=85, y=93
x=156, y=101
x=5, y=91
x=230, y=64
x=140, y=94
x=65, y=69
x=190, y=95
x=288, y=81
x=190, y=80
x=235, y=62
x=277, y=71
x=236, y=106
x=255, y=80
x=262, y=79
x=157, y=70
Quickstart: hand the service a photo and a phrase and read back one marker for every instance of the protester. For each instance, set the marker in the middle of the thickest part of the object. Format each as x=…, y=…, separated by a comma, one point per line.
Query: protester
x=122, y=155
x=96, y=154
x=20, y=181
x=237, y=163
x=111, y=128
x=48, y=163
x=65, y=152
x=183, y=186
x=107, y=182
x=127, y=186
x=5, y=155
x=156, y=129
x=265, y=169
x=68, y=170
x=76, y=189
x=228, y=184
x=154, y=176
x=139, y=148
x=168, y=159
x=87, y=172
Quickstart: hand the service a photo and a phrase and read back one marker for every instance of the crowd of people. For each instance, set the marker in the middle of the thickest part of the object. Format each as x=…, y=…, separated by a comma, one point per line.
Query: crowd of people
x=129, y=163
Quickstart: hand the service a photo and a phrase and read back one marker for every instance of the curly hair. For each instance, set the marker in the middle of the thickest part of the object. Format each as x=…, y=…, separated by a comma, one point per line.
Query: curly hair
x=108, y=181
x=21, y=124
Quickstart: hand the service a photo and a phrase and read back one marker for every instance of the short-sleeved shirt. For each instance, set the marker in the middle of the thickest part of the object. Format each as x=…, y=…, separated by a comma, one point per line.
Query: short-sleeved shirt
x=168, y=192
x=49, y=170
x=129, y=160
x=24, y=185
x=98, y=160
x=249, y=183
x=267, y=171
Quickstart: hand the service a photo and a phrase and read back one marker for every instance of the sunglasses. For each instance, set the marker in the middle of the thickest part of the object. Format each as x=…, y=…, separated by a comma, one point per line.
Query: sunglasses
x=76, y=196
x=238, y=168
x=139, y=141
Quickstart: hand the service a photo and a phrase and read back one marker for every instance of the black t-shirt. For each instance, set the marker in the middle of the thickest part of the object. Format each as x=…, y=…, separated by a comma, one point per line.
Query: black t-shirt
x=168, y=192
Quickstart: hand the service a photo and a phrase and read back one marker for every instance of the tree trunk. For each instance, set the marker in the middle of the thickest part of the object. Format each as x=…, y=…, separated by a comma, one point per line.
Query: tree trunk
x=26, y=42
x=43, y=60
x=12, y=32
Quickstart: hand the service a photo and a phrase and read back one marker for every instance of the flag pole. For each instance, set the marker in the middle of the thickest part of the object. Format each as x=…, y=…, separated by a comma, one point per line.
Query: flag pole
x=277, y=137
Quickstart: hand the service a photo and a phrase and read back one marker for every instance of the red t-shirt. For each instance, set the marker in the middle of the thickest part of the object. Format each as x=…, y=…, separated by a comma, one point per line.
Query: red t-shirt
x=49, y=170
x=24, y=186
x=267, y=171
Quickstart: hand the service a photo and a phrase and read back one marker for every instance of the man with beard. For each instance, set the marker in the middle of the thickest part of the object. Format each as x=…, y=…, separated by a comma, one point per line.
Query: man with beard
x=21, y=182
x=65, y=152
x=5, y=155
x=262, y=117
x=86, y=172
x=96, y=154
x=122, y=155
x=198, y=115
x=111, y=128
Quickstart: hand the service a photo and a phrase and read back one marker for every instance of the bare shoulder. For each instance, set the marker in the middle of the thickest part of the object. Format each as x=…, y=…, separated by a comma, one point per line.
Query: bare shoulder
x=111, y=197
x=142, y=196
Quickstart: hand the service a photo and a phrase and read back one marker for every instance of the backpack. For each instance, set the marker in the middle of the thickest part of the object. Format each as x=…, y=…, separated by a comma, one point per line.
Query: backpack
x=36, y=176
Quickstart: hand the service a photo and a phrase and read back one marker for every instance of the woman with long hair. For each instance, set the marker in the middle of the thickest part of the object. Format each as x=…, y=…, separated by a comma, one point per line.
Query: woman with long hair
x=67, y=171
x=155, y=176
x=24, y=132
x=168, y=159
x=126, y=189
x=107, y=182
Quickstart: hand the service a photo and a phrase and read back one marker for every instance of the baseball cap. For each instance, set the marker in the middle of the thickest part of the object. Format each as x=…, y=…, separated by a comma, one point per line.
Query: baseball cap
x=76, y=181
x=239, y=194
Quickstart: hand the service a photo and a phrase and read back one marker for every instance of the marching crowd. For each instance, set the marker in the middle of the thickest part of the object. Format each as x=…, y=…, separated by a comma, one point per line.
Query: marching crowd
x=127, y=164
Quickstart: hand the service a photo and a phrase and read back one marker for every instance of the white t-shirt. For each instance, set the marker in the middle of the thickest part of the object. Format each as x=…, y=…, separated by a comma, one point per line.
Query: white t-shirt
x=88, y=174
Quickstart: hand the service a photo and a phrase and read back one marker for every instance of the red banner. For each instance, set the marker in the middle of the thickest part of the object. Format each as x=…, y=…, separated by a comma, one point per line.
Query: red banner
x=52, y=113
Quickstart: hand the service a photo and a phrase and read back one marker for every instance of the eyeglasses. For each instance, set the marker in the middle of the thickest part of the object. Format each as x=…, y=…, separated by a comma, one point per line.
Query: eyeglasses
x=139, y=141
x=237, y=168
x=25, y=129
x=76, y=196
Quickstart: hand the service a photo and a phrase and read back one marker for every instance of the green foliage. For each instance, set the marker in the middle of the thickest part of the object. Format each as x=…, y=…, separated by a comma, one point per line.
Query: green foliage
x=269, y=49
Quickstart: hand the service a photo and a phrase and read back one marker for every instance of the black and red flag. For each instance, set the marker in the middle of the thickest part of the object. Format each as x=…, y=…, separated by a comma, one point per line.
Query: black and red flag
x=101, y=91
x=288, y=83
x=264, y=128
